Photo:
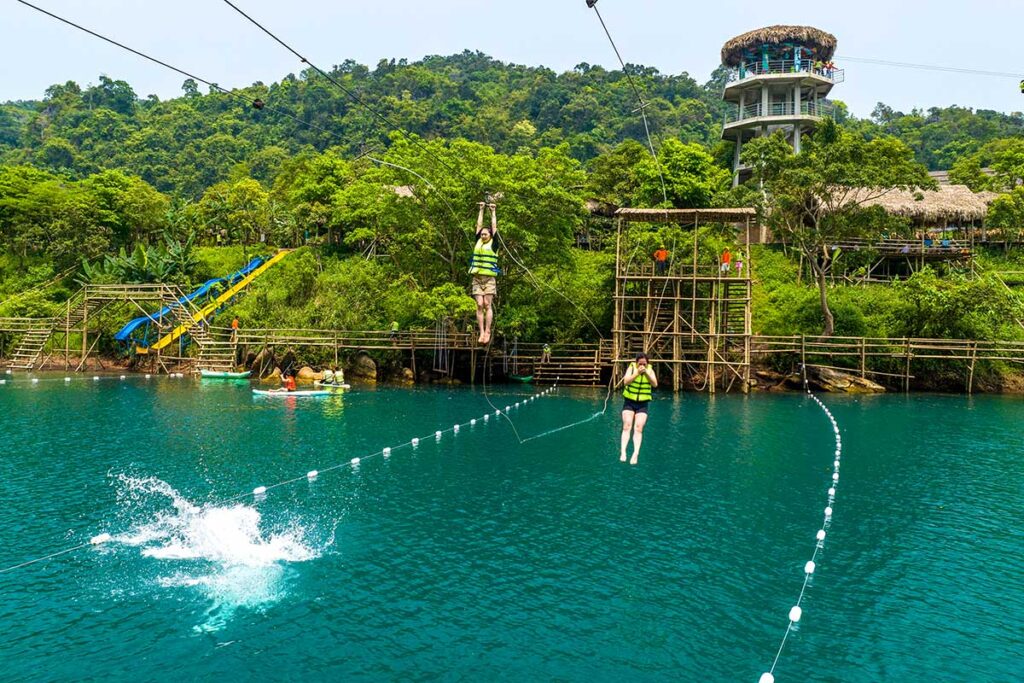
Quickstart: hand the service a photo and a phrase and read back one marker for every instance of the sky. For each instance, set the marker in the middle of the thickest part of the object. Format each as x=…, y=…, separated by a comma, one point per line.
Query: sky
x=209, y=39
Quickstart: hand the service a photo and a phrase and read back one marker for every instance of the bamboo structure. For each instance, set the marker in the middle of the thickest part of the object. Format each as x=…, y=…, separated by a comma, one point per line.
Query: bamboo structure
x=689, y=317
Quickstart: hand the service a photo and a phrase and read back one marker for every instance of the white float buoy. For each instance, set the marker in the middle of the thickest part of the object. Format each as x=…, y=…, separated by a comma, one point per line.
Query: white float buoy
x=455, y=428
x=122, y=376
x=497, y=412
x=837, y=464
x=354, y=461
x=35, y=380
x=415, y=442
x=148, y=376
x=437, y=435
x=795, y=614
x=67, y=379
x=3, y=381
x=259, y=490
x=506, y=409
x=835, y=477
x=832, y=491
x=472, y=422
x=386, y=452
x=96, y=378
x=820, y=535
x=312, y=474
x=828, y=511
x=99, y=538
x=766, y=677
x=486, y=418
x=809, y=567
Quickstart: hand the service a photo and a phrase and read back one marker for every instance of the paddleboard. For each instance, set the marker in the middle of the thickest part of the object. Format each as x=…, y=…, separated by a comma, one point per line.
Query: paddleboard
x=332, y=387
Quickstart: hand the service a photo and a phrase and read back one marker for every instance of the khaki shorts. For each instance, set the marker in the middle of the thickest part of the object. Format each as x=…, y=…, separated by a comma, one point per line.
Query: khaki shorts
x=484, y=285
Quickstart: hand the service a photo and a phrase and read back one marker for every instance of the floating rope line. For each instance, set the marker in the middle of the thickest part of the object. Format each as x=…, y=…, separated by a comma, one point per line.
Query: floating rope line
x=8, y=378
x=259, y=493
x=796, y=612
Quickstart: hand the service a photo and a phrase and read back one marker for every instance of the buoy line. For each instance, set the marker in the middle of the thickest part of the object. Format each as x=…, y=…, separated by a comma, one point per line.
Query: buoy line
x=8, y=378
x=796, y=611
x=259, y=493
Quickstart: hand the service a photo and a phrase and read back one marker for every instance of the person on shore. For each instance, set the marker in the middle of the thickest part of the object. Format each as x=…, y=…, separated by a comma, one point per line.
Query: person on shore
x=545, y=356
x=394, y=331
x=234, y=330
x=484, y=269
x=661, y=261
x=726, y=261
x=739, y=264
x=639, y=382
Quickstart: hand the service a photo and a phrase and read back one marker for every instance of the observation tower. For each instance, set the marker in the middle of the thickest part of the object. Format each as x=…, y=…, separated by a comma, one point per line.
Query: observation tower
x=779, y=79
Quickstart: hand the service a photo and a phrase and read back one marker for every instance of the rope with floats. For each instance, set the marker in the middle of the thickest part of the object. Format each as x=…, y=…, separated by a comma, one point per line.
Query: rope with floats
x=796, y=611
x=259, y=493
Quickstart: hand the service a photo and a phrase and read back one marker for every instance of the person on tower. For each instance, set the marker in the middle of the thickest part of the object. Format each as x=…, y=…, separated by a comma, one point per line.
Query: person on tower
x=484, y=269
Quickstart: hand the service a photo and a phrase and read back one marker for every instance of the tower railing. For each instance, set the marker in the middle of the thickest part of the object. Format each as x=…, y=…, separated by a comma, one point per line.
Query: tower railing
x=753, y=111
x=785, y=66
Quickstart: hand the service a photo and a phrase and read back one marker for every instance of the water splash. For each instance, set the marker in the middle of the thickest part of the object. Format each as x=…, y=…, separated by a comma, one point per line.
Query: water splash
x=226, y=552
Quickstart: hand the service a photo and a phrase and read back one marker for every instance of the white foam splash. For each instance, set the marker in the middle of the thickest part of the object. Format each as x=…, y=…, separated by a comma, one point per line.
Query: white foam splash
x=221, y=550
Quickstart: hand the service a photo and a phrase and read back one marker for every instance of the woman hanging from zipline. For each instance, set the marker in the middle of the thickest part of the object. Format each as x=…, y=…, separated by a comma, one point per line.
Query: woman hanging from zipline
x=484, y=269
x=639, y=381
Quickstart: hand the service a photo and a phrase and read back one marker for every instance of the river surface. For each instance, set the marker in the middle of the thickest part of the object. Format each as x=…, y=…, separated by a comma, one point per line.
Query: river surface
x=477, y=557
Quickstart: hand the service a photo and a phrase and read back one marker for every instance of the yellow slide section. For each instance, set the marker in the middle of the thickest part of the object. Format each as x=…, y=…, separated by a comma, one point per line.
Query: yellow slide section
x=210, y=308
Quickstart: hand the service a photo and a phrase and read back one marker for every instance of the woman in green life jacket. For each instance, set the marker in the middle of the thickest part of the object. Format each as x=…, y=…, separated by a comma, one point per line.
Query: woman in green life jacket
x=639, y=382
x=484, y=269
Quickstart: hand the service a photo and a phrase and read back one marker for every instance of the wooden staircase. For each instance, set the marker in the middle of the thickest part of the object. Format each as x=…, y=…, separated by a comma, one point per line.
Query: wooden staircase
x=30, y=348
x=27, y=353
x=570, y=367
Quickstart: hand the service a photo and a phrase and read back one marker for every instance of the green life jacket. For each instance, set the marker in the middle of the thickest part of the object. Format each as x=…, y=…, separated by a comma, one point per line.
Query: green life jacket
x=485, y=261
x=640, y=388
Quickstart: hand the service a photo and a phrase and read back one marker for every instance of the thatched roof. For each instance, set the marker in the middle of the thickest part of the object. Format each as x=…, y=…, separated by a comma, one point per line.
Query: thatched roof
x=598, y=208
x=686, y=216
x=808, y=36
x=950, y=203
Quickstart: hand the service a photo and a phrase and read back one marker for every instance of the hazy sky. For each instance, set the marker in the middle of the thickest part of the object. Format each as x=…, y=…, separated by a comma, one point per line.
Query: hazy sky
x=208, y=38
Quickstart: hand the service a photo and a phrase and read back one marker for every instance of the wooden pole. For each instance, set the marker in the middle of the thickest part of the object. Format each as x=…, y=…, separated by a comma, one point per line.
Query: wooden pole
x=67, y=335
x=906, y=376
x=677, y=367
x=970, y=372
x=85, y=329
x=711, y=377
x=412, y=355
x=863, y=359
x=335, y=349
x=472, y=366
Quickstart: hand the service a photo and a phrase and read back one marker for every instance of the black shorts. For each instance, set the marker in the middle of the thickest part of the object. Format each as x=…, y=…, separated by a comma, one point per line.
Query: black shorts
x=635, y=406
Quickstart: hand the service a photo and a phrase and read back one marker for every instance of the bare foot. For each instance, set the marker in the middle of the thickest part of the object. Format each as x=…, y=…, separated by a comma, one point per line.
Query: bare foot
x=633, y=460
x=480, y=339
x=622, y=458
x=485, y=337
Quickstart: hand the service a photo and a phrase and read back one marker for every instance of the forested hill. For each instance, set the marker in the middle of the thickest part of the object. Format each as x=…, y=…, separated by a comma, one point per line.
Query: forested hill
x=184, y=145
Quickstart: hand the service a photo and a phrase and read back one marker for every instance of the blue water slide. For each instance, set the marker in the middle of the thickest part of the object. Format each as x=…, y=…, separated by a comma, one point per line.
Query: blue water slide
x=125, y=334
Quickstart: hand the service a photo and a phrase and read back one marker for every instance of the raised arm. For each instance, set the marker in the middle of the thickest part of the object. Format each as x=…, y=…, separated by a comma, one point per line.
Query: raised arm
x=480, y=220
x=494, y=219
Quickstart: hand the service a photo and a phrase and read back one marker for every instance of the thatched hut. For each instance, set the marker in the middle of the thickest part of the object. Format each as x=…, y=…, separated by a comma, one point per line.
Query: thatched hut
x=947, y=207
x=744, y=47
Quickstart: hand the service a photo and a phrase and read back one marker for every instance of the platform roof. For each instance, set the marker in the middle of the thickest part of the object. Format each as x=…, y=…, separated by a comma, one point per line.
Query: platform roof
x=808, y=36
x=686, y=216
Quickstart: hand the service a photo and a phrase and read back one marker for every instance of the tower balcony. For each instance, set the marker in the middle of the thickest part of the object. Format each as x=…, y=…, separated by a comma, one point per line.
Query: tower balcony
x=777, y=113
x=782, y=70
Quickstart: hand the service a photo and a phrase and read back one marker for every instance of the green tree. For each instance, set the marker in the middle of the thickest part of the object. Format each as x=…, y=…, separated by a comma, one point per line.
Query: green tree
x=816, y=198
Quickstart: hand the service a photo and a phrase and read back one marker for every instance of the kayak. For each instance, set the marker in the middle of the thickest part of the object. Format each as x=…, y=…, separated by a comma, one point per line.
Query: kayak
x=215, y=374
x=331, y=387
x=261, y=392
x=525, y=379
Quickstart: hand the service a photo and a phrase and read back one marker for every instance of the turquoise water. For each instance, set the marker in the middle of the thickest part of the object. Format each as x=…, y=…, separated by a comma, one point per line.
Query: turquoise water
x=476, y=557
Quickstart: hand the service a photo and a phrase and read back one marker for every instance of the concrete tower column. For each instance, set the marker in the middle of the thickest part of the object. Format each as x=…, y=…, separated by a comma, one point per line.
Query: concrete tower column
x=736, y=159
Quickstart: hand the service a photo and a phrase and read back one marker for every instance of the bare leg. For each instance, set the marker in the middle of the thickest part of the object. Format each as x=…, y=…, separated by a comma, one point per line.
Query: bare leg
x=488, y=318
x=480, y=318
x=627, y=427
x=638, y=436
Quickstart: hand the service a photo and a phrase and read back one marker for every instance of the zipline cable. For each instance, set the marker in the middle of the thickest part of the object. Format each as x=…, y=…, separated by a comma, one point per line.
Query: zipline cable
x=636, y=91
x=931, y=67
